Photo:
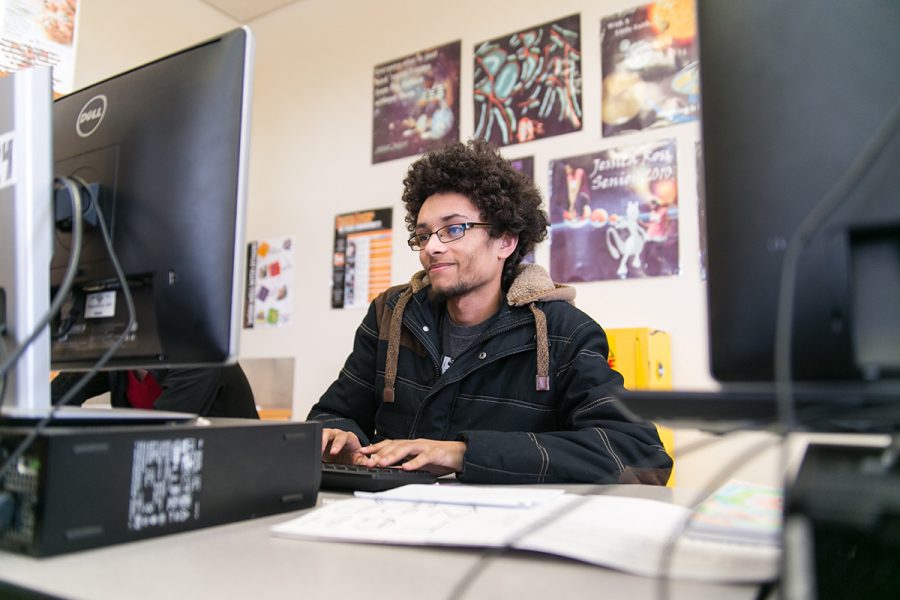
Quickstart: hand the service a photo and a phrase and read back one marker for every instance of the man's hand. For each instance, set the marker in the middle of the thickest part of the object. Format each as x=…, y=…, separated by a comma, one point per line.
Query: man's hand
x=431, y=455
x=339, y=446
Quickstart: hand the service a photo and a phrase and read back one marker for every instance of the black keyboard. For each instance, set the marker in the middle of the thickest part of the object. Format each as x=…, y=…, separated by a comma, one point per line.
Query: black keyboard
x=370, y=479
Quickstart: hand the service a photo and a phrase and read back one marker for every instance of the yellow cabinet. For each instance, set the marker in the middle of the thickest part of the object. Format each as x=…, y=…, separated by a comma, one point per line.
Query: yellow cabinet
x=643, y=356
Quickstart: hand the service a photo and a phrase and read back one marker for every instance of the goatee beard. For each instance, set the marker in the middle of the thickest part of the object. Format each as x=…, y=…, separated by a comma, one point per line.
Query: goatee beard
x=436, y=295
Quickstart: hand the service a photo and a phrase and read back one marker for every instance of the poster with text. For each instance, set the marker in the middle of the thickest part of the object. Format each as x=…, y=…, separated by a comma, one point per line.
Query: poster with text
x=361, y=262
x=39, y=33
x=614, y=214
x=416, y=103
x=527, y=85
x=650, y=67
x=270, y=282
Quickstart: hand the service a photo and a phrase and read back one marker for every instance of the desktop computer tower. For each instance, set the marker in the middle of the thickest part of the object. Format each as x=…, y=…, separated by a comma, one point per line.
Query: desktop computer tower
x=79, y=487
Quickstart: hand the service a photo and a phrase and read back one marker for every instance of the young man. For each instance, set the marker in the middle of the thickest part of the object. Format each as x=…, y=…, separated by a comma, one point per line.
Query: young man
x=480, y=366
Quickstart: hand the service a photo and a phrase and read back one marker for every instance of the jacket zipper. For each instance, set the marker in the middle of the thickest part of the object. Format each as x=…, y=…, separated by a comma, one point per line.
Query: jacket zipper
x=437, y=369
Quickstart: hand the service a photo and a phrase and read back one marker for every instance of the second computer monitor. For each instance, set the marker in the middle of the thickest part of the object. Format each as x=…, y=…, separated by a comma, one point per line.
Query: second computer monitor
x=794, y=95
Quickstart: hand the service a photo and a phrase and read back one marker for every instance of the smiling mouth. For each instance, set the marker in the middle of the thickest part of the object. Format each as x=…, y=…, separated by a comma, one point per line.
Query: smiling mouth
x=434, y=266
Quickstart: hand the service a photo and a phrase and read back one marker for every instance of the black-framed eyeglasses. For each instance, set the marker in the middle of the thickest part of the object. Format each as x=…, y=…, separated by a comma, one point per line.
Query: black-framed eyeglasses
x=447, y=233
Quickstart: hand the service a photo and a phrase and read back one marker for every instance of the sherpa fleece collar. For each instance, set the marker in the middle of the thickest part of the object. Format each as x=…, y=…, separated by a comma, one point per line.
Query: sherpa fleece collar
x=532, y=284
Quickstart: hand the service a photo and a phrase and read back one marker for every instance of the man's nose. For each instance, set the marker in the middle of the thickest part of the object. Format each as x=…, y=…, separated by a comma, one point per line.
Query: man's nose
x=434, y=244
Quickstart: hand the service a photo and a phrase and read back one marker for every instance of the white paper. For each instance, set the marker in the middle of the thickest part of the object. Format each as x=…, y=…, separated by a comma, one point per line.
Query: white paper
x=634, y=535
x=624, y=533
x=417, y=523
x=508, y=497
x=629, y=534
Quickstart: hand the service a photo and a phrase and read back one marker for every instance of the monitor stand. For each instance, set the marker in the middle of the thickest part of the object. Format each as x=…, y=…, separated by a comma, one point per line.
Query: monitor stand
x=835, y=407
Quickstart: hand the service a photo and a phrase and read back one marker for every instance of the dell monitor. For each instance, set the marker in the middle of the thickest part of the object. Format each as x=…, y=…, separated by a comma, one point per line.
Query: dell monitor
x=162, y=149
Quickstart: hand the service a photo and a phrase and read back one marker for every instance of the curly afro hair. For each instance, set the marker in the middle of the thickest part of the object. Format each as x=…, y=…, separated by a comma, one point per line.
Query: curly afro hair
x=506, y=198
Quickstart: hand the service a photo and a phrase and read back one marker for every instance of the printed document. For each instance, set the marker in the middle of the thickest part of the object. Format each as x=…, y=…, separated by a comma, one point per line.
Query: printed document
x=645, y=537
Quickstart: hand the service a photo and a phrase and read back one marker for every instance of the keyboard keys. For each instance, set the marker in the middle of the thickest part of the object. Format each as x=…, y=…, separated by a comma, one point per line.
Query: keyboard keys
x=370, y=479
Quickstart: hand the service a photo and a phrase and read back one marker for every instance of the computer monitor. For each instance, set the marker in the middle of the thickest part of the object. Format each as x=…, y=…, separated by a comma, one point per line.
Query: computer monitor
x=25, y=223
x=792, y=93
x=163, y=149
x=795, y=95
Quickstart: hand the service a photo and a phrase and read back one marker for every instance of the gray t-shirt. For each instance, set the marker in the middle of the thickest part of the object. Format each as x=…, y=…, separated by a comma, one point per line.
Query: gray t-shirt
x=456, y=339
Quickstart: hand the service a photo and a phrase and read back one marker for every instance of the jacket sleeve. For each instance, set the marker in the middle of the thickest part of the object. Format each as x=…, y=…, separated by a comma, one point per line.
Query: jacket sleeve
x=597, y=443
x=198, y=391
x=350, y=403
x=62, y=383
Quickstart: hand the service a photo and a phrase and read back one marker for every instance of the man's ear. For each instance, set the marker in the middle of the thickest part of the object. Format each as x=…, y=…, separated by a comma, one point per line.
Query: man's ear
x=508, y=244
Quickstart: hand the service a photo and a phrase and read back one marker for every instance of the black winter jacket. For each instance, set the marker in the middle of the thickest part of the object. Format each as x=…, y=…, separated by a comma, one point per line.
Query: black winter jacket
x=209, y=392
x=490, y=397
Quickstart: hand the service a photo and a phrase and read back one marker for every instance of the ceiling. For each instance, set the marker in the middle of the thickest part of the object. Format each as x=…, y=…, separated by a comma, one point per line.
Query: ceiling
x=244, y=11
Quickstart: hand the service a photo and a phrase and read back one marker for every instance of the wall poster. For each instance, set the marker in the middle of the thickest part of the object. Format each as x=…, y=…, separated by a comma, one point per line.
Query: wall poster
x=527, y=85
x=415, y=103
x=614, y=214
x=361, y=262
x=39, y=32
x=524, y=165
x=650, y=67
x=270, y=282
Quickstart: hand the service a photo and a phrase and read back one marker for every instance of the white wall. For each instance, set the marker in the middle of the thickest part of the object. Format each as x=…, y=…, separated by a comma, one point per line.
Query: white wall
x=117, y=35
x=311, y=149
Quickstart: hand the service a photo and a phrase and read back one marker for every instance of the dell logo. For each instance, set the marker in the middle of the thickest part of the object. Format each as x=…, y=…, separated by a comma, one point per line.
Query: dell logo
x=91, y=115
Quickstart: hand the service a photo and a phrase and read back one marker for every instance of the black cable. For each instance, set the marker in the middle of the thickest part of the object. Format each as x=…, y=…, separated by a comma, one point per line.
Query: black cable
x=70, y=394
x=487, y=557
x=663, y=579
x=807, y=229
x=464, y=583
x=65, y=286
x=771, y=426
x=787, y=418
x=724, y=474
x=64, y=327
x=3, y=377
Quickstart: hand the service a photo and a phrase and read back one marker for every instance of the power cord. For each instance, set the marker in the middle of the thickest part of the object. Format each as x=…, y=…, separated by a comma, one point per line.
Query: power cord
x=2, y=356
x=70, y=394
x=664, y=579
x=810, y=225
x=465, y=582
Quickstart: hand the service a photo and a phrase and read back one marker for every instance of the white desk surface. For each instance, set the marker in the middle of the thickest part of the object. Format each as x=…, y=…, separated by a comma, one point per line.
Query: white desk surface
x=243, y=560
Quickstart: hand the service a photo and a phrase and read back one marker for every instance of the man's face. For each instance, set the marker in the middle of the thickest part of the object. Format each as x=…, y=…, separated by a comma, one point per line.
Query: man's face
x=470, y=265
